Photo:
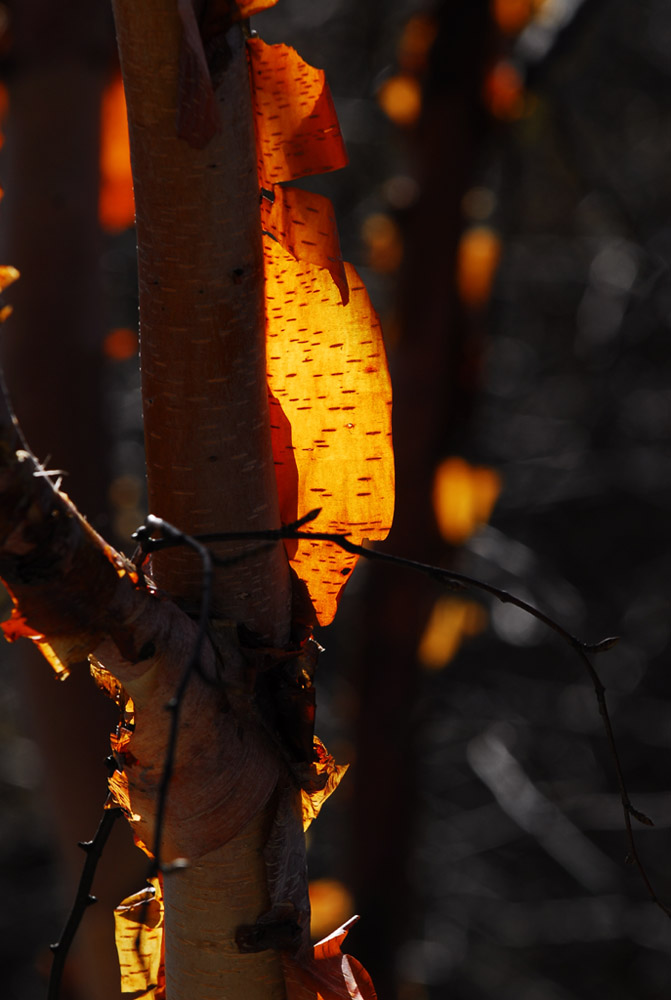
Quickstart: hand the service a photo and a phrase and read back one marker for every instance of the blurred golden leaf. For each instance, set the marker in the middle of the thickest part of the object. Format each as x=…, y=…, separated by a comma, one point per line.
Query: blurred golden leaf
x=330, y=902
x=478, y=257
x=384, y=242
x=8, y=275
x=400, y=97
x=503, y=91
x=116, y=207
x=452, y=619
x=463, y=498
x=417, y=38
x=512, y=16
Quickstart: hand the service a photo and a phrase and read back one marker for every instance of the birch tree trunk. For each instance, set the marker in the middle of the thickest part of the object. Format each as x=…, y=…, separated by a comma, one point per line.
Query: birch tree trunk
x=206, y=416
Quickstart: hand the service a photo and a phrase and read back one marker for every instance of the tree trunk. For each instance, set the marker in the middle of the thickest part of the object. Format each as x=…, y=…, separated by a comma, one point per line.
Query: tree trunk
x=202, y=319
x=53, y=362
x=206, y=416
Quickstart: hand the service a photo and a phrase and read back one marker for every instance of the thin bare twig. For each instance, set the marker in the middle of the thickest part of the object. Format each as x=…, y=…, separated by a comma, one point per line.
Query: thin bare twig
x=457, y=582
x=83, y=899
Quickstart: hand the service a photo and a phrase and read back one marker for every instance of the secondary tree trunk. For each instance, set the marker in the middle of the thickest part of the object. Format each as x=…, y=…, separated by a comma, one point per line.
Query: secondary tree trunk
x=53, y=361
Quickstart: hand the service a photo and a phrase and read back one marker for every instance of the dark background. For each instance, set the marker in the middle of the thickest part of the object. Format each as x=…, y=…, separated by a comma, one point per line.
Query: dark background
x=496, y=847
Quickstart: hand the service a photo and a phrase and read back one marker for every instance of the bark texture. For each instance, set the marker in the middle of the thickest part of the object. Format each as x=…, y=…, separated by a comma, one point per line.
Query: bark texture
x=206, y=418
x=207, y=430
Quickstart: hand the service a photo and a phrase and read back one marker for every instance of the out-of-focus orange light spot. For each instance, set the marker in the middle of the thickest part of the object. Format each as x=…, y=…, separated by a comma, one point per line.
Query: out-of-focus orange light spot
x=116, y=207
x=463, y=498
x=400, y=97
x=8, y=275
x=120, y=344
x=503, y=91
x=331, y=903
x=512, y=16
x=452, y=620
x=478, y=258
x=383, y=240
x=417, y=38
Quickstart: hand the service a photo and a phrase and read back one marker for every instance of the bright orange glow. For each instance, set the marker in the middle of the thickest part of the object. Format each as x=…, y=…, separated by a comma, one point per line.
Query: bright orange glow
x=418, y=36
x=297, y=131
x=304, y=224
x=503, y=91
x=382, y=237
x=8, y=275
x=120, y=344
x=330, y=416
x=400, y=97
x=478, y=258
x=512, y=16
x=463, y=498
x=139, y=918
x=116, y=206
x=452, y=620
x=330, y=903
x=249, y=7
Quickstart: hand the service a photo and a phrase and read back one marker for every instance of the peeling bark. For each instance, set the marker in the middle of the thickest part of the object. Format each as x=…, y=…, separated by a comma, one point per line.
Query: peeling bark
x=209, y=460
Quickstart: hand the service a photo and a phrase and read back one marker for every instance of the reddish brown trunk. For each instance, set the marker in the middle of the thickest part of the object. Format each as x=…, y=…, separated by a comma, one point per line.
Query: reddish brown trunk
x=53, y=361
x=431, y=374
